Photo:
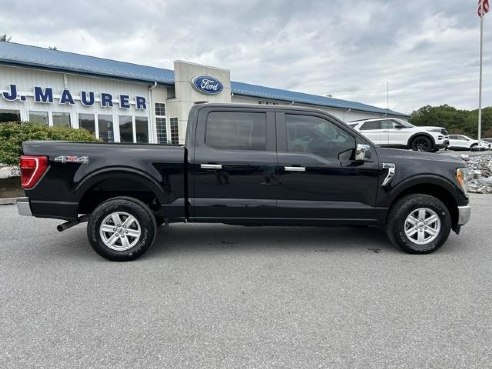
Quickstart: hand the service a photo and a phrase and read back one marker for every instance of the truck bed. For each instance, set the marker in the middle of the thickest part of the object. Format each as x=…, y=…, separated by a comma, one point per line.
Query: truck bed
x=74, y=168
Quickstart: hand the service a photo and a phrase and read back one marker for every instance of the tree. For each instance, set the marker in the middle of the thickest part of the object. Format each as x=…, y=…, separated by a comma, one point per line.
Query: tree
x=454, y=120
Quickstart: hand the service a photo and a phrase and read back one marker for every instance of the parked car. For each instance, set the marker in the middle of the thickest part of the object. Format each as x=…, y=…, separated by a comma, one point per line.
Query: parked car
x=245, y=165
x=489, y=141
x=398, y=133
x=462, y=142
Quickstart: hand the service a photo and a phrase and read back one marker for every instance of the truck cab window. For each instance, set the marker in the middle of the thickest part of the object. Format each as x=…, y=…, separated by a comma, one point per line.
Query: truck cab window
x=310, y=134
x=236, y=131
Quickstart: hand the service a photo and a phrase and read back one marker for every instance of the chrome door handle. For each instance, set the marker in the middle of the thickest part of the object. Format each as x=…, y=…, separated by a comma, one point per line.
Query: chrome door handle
x=211, y=166
x=294, y=169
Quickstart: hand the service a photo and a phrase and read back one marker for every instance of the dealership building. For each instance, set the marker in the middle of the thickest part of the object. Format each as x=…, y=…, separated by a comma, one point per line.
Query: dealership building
x=125, y=102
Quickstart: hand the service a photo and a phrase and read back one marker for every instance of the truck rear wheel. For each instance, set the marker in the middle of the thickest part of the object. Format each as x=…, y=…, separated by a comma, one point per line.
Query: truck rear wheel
x=419, y=224
x=121, y=229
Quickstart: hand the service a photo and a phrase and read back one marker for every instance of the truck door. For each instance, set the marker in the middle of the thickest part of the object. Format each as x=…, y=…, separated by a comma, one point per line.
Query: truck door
x=232, y=166
x=320, y=181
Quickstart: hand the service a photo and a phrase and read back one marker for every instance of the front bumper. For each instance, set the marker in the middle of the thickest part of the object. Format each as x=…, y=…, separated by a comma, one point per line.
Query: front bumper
x=23, y=206
x=464, y=213
x=442, y=145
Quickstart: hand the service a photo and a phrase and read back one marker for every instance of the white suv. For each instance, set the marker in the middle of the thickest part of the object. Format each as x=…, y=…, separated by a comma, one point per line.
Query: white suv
x=394, y=132
x=462, y=142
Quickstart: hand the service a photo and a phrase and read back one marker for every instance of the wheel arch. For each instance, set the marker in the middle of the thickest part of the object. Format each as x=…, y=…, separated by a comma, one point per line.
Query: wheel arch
x=431, y=185
x=114, y=182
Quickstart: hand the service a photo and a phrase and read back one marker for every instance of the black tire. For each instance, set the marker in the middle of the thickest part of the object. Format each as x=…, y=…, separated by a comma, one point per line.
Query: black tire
x=129, y=243
x=399, y=221
x=474, y=147
x=422, y=143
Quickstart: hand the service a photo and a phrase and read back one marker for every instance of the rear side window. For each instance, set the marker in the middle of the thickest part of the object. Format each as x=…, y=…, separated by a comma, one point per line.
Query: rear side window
x=236, y=131
x=375, y=124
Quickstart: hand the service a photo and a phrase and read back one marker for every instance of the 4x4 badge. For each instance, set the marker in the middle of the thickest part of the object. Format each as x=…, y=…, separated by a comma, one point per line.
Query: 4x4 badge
x=72, y=159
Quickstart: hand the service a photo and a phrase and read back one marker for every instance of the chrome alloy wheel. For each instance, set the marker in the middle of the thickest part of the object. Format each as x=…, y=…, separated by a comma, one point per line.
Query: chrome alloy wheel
x=422, y=226
x=120, y=231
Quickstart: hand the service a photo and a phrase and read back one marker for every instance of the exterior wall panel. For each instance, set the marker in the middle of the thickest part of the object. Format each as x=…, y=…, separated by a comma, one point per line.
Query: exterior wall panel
x=26, y=79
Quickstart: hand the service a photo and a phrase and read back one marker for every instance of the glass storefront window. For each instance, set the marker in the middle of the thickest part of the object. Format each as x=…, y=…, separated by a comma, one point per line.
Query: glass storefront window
x=142, y=129
x=88, y=122
x=61, y=119
x=105, y=123
x=160, y=109
x=9, y=115
x=38, y=117
x=174, y=131
x=161, y=130
x=126, y=128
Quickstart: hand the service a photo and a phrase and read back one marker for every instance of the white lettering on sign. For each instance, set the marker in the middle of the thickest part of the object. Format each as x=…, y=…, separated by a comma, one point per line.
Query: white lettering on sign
x=86, y=98
x=209, y=85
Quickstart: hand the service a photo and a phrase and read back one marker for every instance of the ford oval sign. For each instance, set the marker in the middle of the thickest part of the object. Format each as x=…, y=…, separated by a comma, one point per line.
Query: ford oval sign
x=207, y=85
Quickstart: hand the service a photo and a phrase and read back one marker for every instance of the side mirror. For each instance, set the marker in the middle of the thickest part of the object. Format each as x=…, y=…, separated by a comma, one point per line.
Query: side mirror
x=362, y=152
x=398, y=127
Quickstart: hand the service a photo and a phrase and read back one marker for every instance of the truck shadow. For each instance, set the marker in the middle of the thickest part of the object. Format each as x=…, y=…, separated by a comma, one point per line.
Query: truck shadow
x=191, y=238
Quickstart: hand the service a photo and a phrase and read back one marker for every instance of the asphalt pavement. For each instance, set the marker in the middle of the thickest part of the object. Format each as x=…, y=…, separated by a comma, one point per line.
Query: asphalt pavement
x=216, y=296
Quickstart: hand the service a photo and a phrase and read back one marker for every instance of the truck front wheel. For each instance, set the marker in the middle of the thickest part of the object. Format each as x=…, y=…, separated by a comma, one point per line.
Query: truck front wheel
x=419, y=224
x=121, y=229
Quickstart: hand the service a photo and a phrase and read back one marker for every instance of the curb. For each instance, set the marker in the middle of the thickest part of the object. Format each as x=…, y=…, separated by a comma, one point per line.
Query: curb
x=8, y=201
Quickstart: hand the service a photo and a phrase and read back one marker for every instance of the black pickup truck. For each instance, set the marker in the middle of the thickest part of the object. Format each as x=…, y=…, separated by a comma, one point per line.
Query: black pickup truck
x=245, y=165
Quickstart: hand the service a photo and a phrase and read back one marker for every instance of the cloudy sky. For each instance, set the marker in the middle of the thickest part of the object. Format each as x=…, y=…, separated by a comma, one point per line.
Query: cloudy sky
x=427, y=51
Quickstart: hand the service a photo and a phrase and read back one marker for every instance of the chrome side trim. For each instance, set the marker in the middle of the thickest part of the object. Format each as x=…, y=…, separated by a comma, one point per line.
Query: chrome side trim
x=211, y=166
x=391, y=172
x=294, y=169
x=464, y=213
x=23, y=206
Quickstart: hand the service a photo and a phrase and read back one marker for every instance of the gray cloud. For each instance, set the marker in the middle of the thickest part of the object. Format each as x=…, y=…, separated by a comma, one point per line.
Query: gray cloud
x=428, y=51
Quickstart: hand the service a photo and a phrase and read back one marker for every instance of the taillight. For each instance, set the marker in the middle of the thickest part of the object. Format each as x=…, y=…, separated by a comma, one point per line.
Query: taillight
x=32, y=168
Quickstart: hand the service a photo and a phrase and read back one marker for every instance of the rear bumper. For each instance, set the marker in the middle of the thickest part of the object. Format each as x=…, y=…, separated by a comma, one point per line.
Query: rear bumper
x=464, y=213
x=47, y=209
x=23, y=206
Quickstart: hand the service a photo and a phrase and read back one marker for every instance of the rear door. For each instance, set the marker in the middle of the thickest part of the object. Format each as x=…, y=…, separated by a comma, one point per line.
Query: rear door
x=233, y=166
x=320, y=181
x=375, y=131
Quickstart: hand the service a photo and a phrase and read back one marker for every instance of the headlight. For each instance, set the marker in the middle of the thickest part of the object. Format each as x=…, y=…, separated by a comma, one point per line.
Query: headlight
x=438, y=130
x=461, y=180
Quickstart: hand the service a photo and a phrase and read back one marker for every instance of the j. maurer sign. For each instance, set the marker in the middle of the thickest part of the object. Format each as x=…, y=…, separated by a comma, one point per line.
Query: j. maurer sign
x=86, y=98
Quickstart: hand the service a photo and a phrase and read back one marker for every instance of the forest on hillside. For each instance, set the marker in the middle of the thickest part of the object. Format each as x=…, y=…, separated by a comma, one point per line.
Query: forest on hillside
x=454, y=120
